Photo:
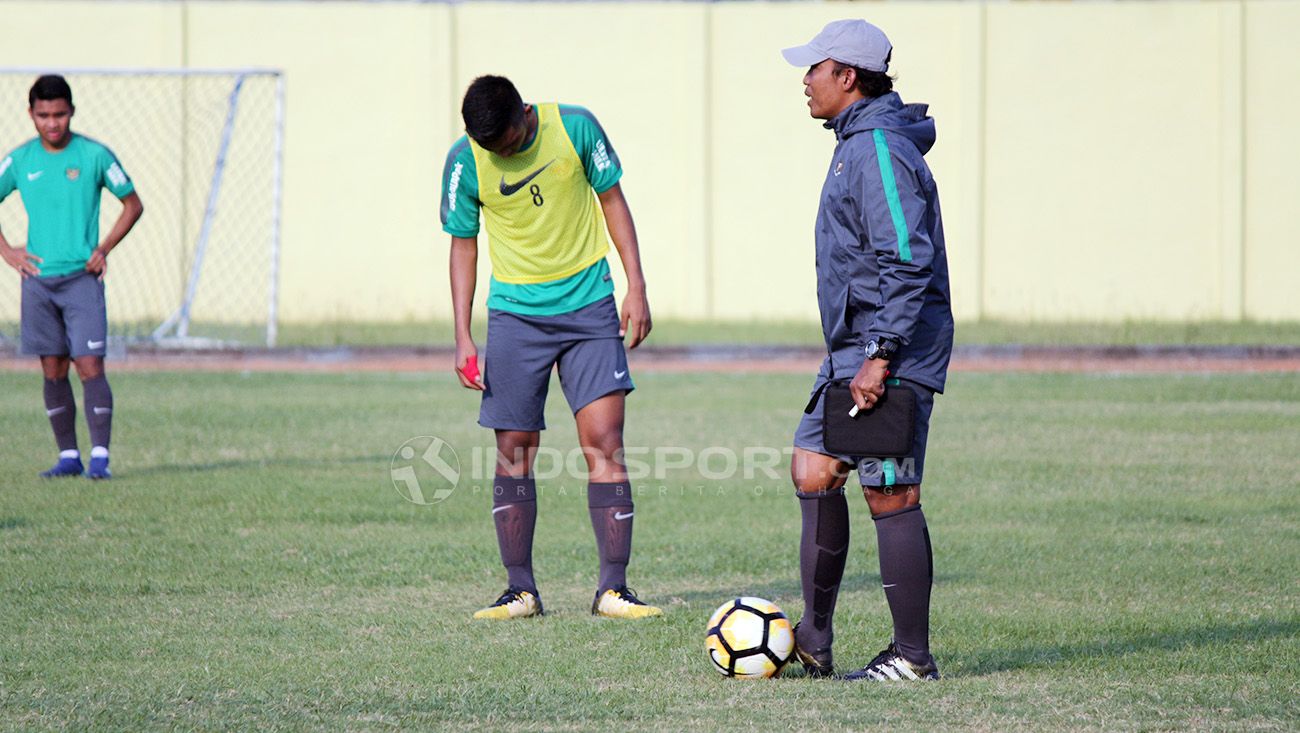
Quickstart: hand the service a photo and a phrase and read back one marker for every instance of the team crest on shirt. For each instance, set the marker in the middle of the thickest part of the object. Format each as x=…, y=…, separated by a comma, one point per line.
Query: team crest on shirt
x=839, y=167
x=73, y=173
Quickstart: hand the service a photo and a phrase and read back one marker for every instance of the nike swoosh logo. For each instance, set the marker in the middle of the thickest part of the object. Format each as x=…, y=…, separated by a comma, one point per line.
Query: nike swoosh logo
x=891, y=585
x=34, y=176
x=620, y=516
x=619, y=375
x=508, y=189
x=94, y=344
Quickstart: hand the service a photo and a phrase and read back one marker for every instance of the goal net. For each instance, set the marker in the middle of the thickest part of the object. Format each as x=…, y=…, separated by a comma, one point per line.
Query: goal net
x=203, y=148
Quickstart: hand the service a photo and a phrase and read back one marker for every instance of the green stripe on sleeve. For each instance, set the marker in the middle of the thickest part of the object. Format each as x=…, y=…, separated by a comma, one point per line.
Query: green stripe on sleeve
x=891, y=195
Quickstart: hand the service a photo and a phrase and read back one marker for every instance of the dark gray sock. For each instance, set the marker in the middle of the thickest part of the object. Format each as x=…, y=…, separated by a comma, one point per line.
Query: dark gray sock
x=907, y=571
x=61, y=407
x=823, y=549
x=98, y=399
x=610, y=507
x=514, y=512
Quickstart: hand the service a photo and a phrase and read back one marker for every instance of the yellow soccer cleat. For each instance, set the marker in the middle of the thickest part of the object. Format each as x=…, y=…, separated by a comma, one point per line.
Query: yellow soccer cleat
x=514, y=603
x=621, y=602
x=815, y=663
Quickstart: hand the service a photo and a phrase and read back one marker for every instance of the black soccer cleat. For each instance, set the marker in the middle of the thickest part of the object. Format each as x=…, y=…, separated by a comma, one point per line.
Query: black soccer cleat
x=890, y=665
x=815, y=663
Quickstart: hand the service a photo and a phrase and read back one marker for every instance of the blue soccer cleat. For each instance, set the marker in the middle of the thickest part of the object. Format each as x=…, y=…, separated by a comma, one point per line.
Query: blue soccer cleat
x=64, y=468
x=98, y=469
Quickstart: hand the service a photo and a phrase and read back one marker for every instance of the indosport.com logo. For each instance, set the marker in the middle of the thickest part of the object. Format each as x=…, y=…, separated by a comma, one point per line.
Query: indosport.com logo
x=425, y=470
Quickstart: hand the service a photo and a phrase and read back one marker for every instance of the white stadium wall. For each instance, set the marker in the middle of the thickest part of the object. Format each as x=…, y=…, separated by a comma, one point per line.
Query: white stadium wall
x=1097, y=161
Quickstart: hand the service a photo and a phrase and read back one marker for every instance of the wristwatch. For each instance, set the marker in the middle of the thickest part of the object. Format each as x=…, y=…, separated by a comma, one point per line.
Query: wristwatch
x=881, y=349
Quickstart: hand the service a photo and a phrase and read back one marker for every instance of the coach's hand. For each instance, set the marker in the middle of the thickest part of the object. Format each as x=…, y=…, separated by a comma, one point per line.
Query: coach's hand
x=868, y=385
x=98, y=263
x=465, y=351
x=21, y=260
x=636, y=317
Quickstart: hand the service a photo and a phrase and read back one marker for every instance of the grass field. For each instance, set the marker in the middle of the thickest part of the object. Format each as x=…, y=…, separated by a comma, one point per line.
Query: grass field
x=1111, y=553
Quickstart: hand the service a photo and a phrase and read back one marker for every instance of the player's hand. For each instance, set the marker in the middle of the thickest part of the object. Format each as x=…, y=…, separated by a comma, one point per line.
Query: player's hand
x=635, y=324
x=467, y=368
x=98, y=263
x=868, y=385
x=22, y=261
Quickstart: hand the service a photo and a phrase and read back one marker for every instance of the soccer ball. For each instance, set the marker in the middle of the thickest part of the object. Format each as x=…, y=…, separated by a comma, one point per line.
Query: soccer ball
x=749, y=638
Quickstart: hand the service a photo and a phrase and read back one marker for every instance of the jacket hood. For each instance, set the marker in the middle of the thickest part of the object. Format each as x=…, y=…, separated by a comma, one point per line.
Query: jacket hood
x=886, y=112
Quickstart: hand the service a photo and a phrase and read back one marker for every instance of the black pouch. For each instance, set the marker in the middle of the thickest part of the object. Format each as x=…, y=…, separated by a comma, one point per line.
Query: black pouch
x=884, y=431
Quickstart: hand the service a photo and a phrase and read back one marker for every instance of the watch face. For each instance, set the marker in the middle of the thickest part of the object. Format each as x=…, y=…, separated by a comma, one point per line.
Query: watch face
x=873, y=348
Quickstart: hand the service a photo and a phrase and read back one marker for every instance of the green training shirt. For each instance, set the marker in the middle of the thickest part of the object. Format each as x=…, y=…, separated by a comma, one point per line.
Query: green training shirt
x=61, y=194
x=460, y=218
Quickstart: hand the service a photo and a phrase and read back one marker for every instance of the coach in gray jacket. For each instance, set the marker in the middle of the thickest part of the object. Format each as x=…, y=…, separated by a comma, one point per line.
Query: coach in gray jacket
x=882, y=287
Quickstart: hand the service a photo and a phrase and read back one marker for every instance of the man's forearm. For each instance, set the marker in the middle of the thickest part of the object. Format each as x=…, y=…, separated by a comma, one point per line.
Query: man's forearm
x=618, y=217
x=464, y=275
x=131, y=211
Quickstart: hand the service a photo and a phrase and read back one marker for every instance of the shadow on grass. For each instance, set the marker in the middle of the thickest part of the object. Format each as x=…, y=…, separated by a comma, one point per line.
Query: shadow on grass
x=769, y=590
x=791, y=587
x=305, y=463
x=1047, y=655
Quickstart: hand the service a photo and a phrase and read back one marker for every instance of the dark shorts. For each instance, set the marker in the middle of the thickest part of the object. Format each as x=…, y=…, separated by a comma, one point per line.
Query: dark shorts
x=64, y=316
x=522, y=350
x=871, y=471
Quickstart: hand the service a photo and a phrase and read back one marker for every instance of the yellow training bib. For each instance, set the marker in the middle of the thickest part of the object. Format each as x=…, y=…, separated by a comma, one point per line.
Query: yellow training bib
x=542, y=217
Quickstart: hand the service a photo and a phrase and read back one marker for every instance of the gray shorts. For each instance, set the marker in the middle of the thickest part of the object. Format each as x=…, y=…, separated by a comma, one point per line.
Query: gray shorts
x=522, y=350
x=871, y=471
x=64, y=316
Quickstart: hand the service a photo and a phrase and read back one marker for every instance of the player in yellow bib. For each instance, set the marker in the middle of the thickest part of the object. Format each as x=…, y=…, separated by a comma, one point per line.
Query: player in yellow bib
x=546, y=180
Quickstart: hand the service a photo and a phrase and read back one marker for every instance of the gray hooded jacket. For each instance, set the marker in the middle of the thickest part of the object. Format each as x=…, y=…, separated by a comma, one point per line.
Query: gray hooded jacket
x=882, y=270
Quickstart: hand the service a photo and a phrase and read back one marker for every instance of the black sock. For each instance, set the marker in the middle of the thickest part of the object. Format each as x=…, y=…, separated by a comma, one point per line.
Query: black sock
x=907, y=571
x=98, y=399
x=61, y=407
x=514, y=512
x=610, y=507
x=823, y=548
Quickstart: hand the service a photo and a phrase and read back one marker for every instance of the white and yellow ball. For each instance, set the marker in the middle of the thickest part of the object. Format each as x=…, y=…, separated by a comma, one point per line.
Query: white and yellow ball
x=749, y=638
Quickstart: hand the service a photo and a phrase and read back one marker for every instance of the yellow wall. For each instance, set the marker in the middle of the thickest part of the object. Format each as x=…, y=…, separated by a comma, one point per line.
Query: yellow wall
x=1272, y=161
x=366, y=130
x=1098, y=161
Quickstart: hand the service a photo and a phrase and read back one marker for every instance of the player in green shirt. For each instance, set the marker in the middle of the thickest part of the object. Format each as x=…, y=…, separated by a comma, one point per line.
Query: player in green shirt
x=59, y=175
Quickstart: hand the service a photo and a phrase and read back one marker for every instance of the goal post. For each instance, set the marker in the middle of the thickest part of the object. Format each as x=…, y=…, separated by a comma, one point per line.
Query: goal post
x=204, y=148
